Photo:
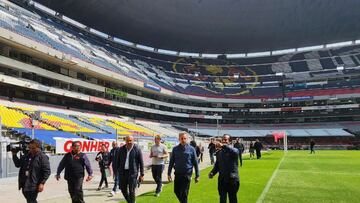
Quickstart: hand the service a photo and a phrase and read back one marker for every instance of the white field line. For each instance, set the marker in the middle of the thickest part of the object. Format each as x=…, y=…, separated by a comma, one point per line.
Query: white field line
x=322, y=172
x=268, y=185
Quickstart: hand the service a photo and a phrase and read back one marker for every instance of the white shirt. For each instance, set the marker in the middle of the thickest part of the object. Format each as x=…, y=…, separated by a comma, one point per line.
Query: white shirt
x=127, y=158
x=158, y=151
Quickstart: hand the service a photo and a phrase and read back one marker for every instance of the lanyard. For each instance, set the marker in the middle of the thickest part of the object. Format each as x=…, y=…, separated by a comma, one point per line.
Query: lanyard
x=29, y=164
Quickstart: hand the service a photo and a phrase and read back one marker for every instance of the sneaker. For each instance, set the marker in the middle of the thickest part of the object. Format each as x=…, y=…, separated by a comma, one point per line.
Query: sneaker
x=111, y=194
x=157, y=194
x=98, y=189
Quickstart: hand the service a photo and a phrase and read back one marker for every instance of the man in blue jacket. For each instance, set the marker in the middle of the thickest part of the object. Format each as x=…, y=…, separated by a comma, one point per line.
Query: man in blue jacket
x=227, y=166
x=129, y=163
x=183, y=159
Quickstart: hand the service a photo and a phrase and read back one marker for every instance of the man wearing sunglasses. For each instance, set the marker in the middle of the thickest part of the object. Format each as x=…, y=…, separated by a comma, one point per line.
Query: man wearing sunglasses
x=227, y=166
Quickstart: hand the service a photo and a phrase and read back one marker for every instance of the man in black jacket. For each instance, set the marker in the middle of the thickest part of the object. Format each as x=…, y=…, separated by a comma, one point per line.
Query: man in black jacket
x=103, y=158
x=34, y=171
x=258, y=147
x=74, y=163
x=112, y=162
x=227, y=166
x=312, y=144
x=240, y=146
x=129, y=164
x=212, y=150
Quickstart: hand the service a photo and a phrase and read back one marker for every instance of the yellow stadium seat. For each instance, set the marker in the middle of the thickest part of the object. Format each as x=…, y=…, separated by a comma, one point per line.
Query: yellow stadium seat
x=63, y=124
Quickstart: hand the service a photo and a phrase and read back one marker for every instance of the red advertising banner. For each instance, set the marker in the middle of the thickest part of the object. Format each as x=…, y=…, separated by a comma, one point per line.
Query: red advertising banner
x=291, y=109
x=86, y=146
x=100, y=100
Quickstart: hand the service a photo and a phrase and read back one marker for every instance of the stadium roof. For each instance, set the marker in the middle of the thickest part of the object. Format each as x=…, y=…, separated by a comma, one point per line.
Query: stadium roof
x=213, y=26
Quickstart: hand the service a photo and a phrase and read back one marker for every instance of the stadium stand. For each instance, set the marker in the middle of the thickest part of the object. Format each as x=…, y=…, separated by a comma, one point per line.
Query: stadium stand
x=64, y=122
x=161, y=71
x=13, y=118
x=280, y=77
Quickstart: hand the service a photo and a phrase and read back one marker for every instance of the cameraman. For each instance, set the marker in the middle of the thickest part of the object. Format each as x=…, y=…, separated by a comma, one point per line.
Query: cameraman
x=34, y=171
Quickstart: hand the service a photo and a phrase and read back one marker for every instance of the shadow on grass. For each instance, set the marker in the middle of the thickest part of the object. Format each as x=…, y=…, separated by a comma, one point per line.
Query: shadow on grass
x=151, y=193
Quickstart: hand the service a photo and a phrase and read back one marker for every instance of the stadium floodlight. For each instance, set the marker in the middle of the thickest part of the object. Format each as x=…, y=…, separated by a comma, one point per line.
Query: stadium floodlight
x=168, y=52
x=146, y=48
x=211, y=56
x=339, y=44
x=340, y=68
x=258, y=54
x=311, y=48
x=283, y=51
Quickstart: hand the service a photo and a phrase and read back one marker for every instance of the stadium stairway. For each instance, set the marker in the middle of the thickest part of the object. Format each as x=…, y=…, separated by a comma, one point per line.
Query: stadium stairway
x=131, y=127
x=90, y=124
x=41, y=124
x=64, y=122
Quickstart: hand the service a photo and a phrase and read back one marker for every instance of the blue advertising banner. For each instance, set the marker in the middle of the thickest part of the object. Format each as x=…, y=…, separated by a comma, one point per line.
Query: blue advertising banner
x=152, y=87
x=300, y=98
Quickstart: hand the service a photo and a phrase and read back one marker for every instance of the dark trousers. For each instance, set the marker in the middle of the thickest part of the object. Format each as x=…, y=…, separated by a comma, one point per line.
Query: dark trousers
x=30, y=196
x=228, y=187
x=157, y=171
x=212, y=158
x=75, y=190
x=258, y=154
x=127, y=186
x=240, y=158
x=116, y=181
x=312, y=150
x=103, y=177
x=181, y=187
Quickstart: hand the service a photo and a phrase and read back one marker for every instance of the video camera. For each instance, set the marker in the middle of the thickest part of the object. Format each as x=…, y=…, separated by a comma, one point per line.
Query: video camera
x=22, y=146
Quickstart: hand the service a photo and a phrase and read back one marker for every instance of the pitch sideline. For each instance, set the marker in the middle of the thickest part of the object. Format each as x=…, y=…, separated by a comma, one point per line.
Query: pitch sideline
x=268, y=185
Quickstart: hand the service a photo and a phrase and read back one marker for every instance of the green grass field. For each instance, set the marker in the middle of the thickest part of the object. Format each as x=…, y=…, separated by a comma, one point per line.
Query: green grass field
x=327, y=176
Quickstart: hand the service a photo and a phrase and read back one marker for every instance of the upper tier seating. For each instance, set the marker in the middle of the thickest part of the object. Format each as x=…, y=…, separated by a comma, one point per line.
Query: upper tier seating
x=160, y=70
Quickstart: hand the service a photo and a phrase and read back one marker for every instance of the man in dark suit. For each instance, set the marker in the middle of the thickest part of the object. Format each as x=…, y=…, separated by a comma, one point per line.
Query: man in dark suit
x=113, y=162
x=129, y=164
x=240, y=146
x=258, y=147
x=227, y=166
x=312, y=144
x=212, y=150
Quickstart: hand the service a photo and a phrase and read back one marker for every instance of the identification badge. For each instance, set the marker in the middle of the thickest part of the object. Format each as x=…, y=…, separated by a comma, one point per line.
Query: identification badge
x=27, y=173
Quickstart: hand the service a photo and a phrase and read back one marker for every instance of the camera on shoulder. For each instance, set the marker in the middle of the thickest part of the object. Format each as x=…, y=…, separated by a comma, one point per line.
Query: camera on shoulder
x=20, y=146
